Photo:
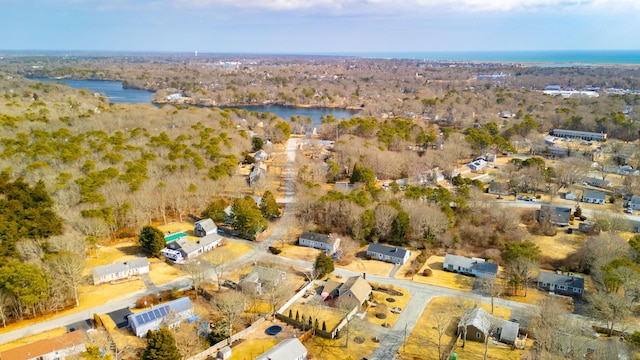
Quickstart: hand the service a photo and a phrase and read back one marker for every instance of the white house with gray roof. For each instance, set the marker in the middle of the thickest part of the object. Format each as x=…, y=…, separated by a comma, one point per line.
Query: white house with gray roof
x=182, y=249
x=328, y=243
x=472, y=266
x=392, y=254
x=170, y=314
x=119, y=271
x=594, y=196
x=478, y=322
x=288, y=349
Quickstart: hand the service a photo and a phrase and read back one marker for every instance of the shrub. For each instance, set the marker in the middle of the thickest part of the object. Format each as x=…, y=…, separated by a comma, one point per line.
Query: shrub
x=274, y=250
x=427, y=272
x=147, y=301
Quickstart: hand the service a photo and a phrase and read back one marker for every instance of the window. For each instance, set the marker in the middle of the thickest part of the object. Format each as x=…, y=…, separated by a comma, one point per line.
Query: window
x=478, y=334
x=576, y=290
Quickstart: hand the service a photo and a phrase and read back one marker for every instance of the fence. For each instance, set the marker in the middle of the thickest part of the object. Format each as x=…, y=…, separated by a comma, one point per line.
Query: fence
x=296, y=297
x=213, y=350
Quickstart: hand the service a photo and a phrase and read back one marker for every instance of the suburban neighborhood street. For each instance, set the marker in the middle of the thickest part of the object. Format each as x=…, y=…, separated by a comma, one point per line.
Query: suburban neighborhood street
x=391, y=339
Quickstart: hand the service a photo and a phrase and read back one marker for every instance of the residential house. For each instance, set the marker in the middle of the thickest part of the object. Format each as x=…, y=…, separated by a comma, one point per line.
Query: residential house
x=594, y=196
x=56, y=348
x=330, y=289
x=633, y=202
x=355, y=287
x=288, y=349
x=595, y=182
x=472, y=266
x=260, y=156
x=119, y=271
x=392, y=254
x=477, y=165
x=261, y=279
x=556, y=215
x=170, y=314
x=329, y=243
x=183, y=249
x=479, y=323
x=587, y=227
x=570, y=195
x=259, y=170
x=204, y=227
x=559, y=283
x=584, y=135
x=498, y=188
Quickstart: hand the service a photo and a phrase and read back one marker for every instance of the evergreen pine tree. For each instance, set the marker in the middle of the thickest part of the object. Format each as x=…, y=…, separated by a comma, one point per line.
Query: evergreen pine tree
x=268, y=206
x=161, y=345
x=324, y=325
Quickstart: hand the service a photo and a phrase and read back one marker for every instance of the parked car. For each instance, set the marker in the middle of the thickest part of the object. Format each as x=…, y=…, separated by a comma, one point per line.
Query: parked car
x=629, y=211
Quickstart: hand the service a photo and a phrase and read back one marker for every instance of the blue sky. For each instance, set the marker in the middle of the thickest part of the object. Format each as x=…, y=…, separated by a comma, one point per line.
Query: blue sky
x=319, y=26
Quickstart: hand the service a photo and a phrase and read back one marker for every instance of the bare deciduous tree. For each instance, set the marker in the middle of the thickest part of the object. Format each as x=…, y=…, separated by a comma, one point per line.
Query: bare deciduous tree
x=231, y=305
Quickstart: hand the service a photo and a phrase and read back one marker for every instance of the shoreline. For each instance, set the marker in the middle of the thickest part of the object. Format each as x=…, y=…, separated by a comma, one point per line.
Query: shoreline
x=296, y=106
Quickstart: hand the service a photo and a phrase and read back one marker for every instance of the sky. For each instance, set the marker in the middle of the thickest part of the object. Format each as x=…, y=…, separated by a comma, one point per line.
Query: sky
x=319, y=26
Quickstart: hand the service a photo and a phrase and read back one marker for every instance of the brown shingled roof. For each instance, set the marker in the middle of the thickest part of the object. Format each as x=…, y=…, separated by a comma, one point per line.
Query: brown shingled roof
x=45, y=346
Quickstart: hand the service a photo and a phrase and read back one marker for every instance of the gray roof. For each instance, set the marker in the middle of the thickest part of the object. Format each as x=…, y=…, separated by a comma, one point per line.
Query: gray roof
x=561, y=279
x=594, y=194
x=206, y=224
x=635, y=199
x=177, y=306
x=477, y=264
x=288, y=349
x=392, y=251
x=264, y=274
x=321, y=238
x=479, y=318
x=187, y=247
x=120, y=266
x=509, y=331
x=556, y=214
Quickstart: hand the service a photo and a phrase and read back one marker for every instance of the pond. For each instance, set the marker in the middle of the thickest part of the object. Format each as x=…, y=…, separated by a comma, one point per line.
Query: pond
x=113, y=90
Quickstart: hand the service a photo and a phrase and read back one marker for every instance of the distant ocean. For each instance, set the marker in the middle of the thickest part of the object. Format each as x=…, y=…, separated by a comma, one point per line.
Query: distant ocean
x=544, y=58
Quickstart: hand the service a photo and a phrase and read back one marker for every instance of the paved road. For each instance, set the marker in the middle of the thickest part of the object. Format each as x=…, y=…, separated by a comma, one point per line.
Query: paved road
x=391, y=339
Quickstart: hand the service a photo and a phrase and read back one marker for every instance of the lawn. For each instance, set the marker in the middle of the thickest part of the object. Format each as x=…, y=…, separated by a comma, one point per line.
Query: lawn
x=227, y=252
x=330, y=316
x=373, y=267
x=299, y=252
x=422, y=343
x=443, y=278
x=250, y=349
x=110, y=254
x=328, y=349
x=560, y=245
x=162, y=273
x=383, y=298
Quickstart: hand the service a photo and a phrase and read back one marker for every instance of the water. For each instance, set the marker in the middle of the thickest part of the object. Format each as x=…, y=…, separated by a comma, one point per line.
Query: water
x=112, y=89
x=315, y=113
x=555, y=58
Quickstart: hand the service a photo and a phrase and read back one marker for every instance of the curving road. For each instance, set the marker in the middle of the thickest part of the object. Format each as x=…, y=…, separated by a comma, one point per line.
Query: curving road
x=391, y=339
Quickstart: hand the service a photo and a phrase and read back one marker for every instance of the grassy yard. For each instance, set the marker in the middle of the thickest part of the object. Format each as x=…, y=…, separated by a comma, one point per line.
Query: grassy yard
x=327, y=349
x=299, y=252
x=162, y=273
x=251, y=348
x=422, y=343
x=383, y=298
x=227, y=252
x=443, y=278
x=373, y=267
x=330, y=316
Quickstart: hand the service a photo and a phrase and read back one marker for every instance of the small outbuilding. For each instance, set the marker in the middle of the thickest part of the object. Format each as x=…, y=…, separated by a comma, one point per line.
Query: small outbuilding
x=204, y=227
x=224, y=353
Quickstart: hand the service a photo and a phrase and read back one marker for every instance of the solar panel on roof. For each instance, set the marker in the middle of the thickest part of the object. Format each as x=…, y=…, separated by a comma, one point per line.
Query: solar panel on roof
x=146, y=318
x=139, y=319
x=156, y=312
x=164, y=311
